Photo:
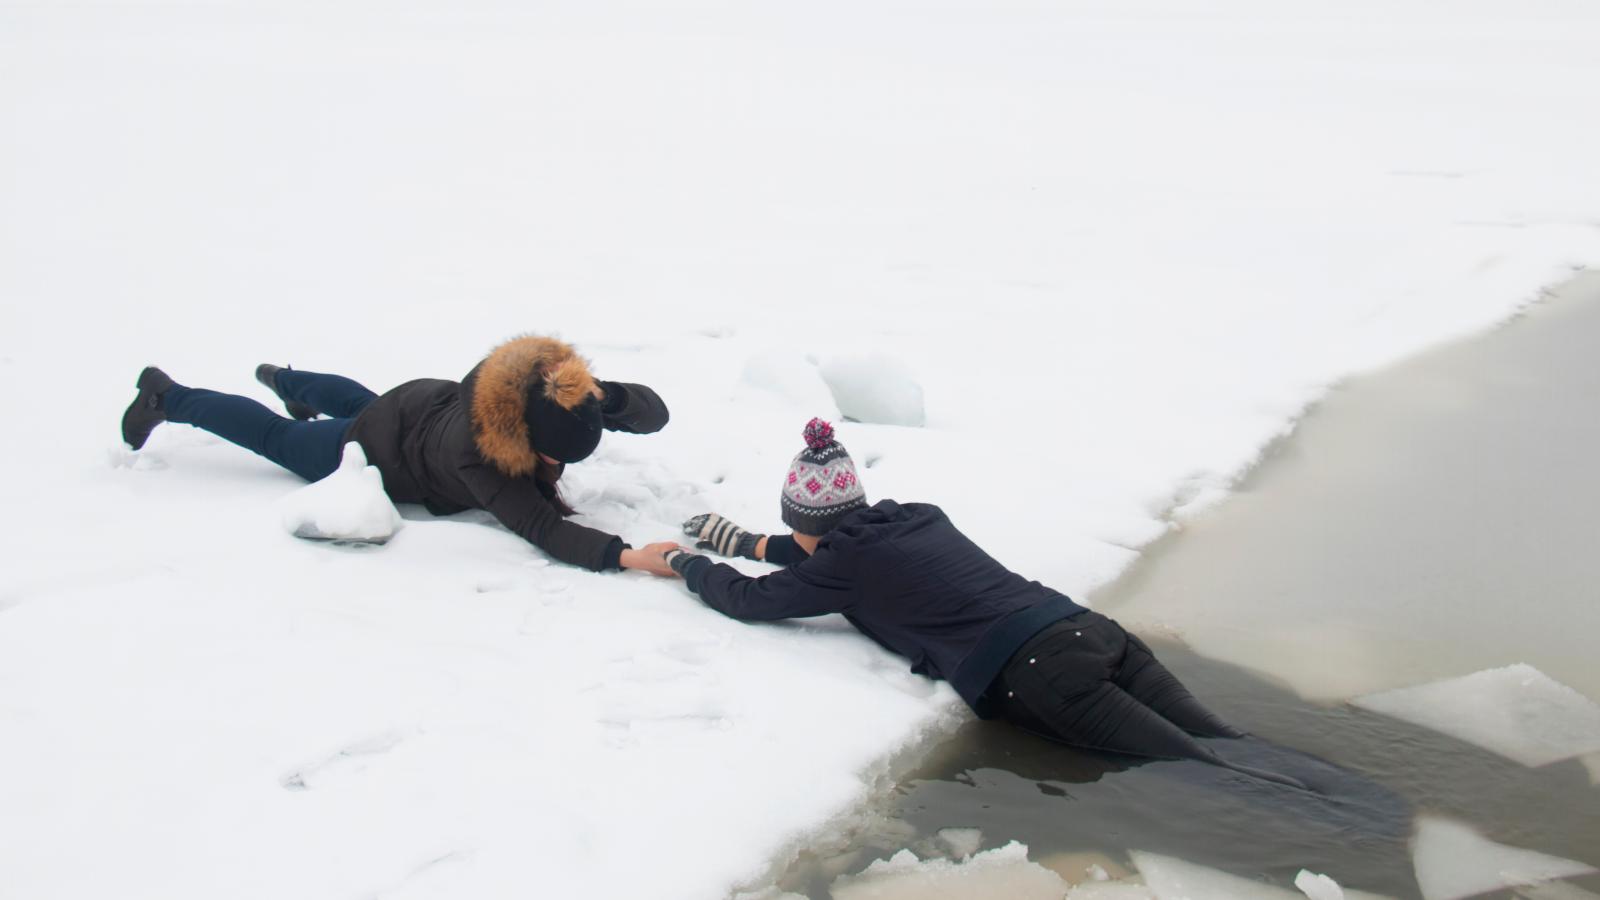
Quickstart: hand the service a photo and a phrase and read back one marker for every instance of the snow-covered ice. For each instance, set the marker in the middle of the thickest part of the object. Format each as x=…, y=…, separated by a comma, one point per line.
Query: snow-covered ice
x=1001, y=872
x=1515, y=711
x=875, y=388
x=348, y=505
x=1454, y=861
x=1121, y=250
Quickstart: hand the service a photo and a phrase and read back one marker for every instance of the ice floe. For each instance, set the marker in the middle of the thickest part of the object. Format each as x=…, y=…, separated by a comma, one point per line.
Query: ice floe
x=1516, y=711
x=1002, y=872
x=1453, y=861
x=1177, y=879
x=1318, y=887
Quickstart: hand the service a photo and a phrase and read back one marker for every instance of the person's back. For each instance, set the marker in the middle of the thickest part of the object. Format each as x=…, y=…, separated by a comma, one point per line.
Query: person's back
x=926, y=591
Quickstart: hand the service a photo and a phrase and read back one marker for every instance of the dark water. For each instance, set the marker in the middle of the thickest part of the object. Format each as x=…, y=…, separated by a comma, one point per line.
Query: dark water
x=1425, y=522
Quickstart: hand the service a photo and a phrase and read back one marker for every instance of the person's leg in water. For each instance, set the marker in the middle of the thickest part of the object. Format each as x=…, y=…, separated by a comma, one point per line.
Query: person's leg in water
x=309, y=449
x=1060, y=687
x=334, y=396
x=1149, y=682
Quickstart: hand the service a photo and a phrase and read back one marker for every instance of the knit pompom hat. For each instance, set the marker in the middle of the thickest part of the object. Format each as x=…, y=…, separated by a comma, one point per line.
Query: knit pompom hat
x=821, y=487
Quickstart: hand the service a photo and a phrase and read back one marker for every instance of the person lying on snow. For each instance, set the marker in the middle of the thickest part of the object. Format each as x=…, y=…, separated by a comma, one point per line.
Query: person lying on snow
x=498, y=440
x=907, y=578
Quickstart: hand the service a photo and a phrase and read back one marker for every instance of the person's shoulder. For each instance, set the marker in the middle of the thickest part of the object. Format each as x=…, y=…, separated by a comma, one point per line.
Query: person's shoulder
x=893, y=511
x=876, y=523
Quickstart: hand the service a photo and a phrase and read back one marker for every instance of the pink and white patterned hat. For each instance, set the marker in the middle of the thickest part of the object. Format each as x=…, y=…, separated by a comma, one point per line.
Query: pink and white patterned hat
x=821, y=486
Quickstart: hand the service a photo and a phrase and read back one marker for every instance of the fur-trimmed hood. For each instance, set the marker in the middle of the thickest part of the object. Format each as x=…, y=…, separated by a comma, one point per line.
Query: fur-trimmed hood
x=495, y=394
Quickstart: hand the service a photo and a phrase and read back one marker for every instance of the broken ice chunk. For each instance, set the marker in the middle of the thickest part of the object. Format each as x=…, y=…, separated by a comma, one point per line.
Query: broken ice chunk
x=963, y=842
x=1002, y=872
x=1453, y=861
x=1517, y=712
x=1318, y=887
x=1176, y=879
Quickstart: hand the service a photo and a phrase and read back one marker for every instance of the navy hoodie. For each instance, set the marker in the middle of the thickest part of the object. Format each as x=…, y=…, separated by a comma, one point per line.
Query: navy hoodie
x=908, y=579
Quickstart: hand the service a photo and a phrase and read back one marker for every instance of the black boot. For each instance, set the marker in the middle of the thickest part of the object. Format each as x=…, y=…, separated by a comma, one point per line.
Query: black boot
x=267, y=374
x=147, y=410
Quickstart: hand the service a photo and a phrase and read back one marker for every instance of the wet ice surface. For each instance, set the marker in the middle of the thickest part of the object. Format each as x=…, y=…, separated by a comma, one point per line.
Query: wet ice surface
x=1517, y=711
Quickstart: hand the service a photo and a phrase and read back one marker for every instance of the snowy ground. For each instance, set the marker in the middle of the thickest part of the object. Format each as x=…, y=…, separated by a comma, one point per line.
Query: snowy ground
x=1120, y=248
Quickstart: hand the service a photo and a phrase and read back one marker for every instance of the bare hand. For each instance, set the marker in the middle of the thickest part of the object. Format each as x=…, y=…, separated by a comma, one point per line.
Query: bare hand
x=649, y=558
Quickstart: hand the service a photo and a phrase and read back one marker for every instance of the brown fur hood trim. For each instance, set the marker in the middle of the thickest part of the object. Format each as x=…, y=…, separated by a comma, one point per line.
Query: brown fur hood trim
x=496, y=394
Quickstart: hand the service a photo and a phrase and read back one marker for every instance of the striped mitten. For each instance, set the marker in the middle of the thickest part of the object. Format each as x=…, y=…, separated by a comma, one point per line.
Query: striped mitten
x=679, y=559
x=713, y=532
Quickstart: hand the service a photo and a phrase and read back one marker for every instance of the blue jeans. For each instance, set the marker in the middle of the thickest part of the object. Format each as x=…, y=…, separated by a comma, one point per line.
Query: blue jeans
x=308, y=449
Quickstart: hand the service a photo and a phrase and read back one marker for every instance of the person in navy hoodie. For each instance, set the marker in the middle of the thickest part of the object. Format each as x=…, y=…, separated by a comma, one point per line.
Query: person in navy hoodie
x=906, y=577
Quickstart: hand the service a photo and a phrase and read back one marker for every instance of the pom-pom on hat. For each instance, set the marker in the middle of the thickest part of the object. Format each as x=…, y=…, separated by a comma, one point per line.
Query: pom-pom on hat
x=821, y=487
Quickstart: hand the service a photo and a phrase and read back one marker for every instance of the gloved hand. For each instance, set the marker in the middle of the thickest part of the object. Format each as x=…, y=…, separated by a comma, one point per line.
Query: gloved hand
x=713, y=532
x=679, y=559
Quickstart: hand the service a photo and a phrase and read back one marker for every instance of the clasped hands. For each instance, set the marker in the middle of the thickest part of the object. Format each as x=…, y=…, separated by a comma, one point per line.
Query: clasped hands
x=711, y=532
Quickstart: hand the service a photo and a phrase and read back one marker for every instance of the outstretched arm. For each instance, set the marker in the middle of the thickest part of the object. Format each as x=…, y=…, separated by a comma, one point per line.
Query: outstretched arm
x=793, y=593
x=724, y=536
x=783, y=550
x=519, y=506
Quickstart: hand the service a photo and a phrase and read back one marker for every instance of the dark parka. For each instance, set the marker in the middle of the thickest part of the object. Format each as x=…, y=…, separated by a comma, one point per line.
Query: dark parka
x=907, y=578
x=457, y=446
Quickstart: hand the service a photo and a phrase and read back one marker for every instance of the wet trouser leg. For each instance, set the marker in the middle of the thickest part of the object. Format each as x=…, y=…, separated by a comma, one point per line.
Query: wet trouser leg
x=308, y=449
x=1149, y=682
x=332, y=395
x=1086, y=682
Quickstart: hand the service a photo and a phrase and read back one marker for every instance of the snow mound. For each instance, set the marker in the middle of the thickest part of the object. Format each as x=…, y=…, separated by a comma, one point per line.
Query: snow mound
x=1002, y=872
x=1453, y=861
x=876, y=389
x=793, y=378
x=348, y=505
x=1517, y=712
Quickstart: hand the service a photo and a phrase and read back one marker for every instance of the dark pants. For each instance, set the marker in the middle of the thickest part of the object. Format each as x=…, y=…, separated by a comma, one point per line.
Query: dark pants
x=308, y=449
x=1085, y=681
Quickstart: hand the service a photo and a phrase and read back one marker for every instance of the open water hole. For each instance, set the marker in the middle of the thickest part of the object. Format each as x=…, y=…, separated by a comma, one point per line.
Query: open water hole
x=1425, y=522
